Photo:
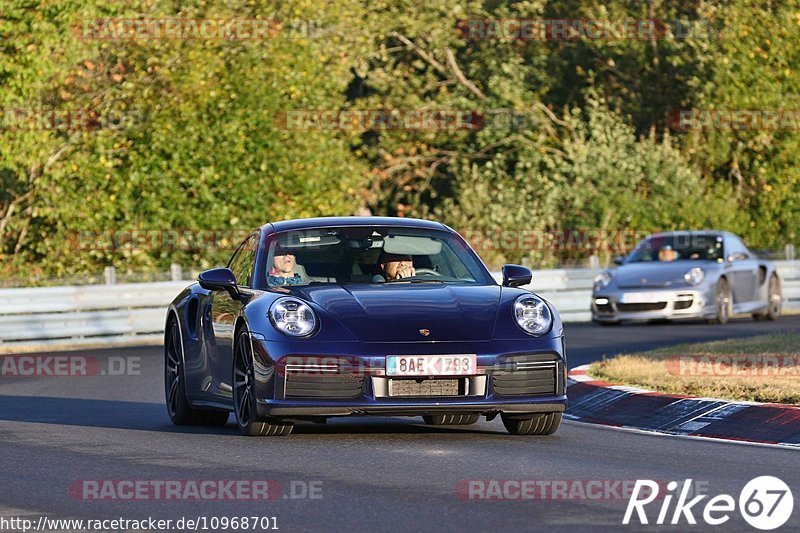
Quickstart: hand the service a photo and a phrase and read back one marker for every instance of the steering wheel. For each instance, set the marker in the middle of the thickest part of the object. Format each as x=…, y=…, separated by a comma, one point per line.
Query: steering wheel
x=432, y=272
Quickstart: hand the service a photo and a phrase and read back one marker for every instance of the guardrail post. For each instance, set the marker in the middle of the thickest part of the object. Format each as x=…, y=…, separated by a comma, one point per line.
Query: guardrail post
x=176, y=272
x=594, y=261
x=110, y=274
x=790, y=252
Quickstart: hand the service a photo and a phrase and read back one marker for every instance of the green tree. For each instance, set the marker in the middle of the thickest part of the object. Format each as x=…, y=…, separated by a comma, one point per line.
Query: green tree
x=198, y=146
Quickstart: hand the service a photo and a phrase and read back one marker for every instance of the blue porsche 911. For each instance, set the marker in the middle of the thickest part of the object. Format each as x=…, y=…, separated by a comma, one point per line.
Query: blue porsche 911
x=353, y=316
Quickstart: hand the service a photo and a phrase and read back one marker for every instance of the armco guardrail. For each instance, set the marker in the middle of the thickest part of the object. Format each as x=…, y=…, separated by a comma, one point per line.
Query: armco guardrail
x=85, y=314
x=135, y=312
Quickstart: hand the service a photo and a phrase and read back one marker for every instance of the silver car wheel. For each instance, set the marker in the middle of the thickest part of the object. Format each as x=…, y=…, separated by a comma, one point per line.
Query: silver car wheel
x=723, y=303
x=775, y=299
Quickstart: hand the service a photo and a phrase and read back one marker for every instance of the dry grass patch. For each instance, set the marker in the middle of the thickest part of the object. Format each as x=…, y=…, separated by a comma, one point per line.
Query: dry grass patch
x=762, y=369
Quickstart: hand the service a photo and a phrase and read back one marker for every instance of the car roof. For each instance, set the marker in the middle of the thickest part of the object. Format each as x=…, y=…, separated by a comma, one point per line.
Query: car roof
x=689, y=233
x=336, y=222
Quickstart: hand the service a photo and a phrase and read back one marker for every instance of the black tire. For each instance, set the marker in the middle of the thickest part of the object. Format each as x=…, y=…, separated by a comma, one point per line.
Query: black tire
x=724, y=303
x=244, y=399
x=544, y=424
x=774, y=301
x=178, y=408
x=450, y=420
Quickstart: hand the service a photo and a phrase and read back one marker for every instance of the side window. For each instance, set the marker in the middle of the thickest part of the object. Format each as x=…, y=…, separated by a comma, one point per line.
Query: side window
x=234, y=262
x=743, y=248
x=243, y=261
x=735, y=247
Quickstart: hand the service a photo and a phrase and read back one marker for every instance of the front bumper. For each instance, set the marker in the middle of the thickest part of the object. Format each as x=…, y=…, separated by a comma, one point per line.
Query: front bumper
x=648, y=304
x=517, y=376
x=426, y=408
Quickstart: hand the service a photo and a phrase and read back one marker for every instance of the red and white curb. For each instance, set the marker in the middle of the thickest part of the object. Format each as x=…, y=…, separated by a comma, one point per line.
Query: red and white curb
x=604, y=403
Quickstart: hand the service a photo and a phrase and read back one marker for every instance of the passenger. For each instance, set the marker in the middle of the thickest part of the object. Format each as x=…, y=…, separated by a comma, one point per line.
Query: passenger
x=394, y=266
x=283, y=269
x=666, y=253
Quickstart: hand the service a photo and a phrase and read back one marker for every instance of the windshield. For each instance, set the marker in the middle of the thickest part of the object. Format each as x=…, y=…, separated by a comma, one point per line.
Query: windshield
x=370, y=255
x=666, y=248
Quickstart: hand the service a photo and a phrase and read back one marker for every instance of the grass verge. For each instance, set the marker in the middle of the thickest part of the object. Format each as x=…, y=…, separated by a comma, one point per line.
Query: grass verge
x=762, y=369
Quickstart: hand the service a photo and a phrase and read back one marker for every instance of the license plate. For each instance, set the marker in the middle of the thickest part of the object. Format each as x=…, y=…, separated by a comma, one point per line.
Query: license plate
x=642, y=297
x=431, y=365
x=424, y=387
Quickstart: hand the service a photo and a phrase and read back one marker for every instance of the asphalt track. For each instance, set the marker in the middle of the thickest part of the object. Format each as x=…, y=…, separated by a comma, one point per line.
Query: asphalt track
x=372, y=474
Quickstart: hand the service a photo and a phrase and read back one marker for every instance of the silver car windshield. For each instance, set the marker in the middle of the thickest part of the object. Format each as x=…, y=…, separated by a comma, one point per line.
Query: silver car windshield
x=667, y=248
x=370, y=255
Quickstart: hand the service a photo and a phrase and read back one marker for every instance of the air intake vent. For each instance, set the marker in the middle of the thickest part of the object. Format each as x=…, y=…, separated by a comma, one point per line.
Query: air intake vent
x=638, y=307
x=321, y=381
x=526, y=379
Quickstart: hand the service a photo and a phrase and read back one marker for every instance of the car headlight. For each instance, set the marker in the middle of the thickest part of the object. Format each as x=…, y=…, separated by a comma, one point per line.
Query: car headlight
x=694, y=276
x=602, y=280
x=293, y=317
x=532, y=315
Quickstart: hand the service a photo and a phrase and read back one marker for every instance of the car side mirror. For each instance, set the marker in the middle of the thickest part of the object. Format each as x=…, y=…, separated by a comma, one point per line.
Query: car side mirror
x=619, y=260
x=219, y=279
x=516, y=275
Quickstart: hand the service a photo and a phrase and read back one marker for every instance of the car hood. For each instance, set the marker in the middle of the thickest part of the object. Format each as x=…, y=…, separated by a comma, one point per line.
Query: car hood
x=635, y=275
x=401, y=312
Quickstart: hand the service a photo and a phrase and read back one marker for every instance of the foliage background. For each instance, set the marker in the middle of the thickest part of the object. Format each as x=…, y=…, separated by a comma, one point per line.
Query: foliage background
x=199, y=146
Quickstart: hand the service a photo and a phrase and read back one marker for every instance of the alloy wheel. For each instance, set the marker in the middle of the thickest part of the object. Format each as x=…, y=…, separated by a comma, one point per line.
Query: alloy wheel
x=172, y=372
x=243, y=384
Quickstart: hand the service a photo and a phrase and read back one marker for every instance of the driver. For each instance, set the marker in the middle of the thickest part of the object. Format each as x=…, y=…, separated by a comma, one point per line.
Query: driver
x=395, y=266
x=283, y=269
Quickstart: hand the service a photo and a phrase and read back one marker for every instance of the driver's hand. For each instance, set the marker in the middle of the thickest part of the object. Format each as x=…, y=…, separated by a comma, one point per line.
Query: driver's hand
x=405, y=271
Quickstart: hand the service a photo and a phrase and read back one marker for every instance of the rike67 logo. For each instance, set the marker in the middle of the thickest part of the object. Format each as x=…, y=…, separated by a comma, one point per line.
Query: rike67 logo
x=765, y=503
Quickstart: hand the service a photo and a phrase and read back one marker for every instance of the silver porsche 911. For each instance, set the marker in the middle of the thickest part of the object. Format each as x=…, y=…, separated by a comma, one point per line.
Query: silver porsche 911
x=687, y=274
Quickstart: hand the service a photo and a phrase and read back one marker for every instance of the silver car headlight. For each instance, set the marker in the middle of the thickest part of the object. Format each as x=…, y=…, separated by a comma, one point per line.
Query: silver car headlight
x=695, y=276
x=532, y=315
x=293, y=317
x=602, y=280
